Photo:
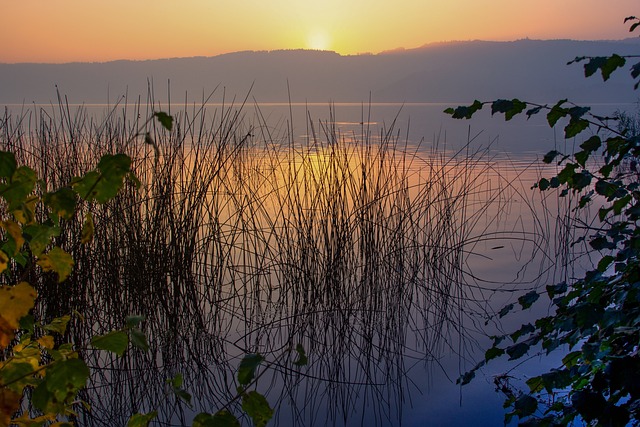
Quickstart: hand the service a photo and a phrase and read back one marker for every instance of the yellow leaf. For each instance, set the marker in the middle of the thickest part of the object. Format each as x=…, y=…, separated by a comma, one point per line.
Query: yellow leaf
x=15, y=303
x=26, y=213
x=4, y=261
x=15, y=232
x=59, y=324
x=25, y=353
x=21, y=346
x=57, y=260
x=25, y=420
x=47, y=342
x=87, y=229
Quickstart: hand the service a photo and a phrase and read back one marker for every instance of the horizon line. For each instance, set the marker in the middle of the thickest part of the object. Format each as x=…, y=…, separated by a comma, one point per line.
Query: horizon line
x=322, y=51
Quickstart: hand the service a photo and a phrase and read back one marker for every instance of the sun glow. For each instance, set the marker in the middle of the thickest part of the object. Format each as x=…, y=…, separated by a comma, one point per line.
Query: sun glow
x=318, y=40
x=40, y=31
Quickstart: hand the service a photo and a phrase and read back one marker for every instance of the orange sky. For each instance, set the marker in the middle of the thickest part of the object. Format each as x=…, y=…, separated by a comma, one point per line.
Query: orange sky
x=98, y=30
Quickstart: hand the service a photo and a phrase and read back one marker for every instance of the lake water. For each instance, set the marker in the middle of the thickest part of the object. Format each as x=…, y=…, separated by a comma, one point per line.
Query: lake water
x=383, y=237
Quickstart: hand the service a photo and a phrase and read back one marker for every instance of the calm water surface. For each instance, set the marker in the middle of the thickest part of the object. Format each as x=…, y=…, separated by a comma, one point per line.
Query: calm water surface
x=385, y=348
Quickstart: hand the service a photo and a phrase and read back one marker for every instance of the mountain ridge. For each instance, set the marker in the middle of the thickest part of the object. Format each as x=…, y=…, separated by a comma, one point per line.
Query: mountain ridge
x=535, y=70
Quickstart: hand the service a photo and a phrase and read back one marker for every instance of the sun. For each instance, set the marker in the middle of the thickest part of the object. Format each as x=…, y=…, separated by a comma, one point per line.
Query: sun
x=318, y=40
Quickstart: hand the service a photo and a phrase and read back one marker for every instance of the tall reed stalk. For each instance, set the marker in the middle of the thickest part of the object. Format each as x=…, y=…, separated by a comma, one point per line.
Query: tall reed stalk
x=245, y=238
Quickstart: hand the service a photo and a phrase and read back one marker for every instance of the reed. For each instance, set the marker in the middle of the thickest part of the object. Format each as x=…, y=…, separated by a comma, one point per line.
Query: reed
x=247, y=238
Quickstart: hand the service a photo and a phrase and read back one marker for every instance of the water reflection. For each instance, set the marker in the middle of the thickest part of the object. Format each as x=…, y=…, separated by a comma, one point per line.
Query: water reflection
x=370, y=252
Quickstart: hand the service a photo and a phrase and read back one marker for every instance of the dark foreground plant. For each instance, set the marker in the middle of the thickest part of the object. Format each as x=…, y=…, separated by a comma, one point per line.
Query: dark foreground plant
x=34, y=362
x=598, y=316
x=41, y=370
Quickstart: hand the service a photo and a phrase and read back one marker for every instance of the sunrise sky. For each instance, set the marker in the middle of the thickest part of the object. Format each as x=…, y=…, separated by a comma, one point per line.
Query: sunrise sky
x=91, y=30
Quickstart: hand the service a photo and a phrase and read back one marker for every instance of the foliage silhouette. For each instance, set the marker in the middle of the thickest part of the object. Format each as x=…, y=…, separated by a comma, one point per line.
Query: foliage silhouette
x=598, y=316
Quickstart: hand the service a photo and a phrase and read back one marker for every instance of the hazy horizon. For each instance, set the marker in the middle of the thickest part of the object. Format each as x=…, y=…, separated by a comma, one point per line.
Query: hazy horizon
x=450, y=72
x=400, y=49
x=66, y=31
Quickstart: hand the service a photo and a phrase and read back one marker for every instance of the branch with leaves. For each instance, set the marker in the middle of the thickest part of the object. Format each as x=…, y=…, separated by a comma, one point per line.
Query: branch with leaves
x=598, y=316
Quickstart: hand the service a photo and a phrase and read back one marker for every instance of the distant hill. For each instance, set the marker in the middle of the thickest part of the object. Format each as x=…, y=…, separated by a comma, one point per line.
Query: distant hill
x=442, y=72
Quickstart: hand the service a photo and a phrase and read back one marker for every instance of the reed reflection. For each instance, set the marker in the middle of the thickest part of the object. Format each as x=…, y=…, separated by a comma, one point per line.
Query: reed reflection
x=245, y=239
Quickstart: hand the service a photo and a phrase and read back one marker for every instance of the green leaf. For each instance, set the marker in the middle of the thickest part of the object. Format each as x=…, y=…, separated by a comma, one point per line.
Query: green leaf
x=516, y=351
x=165, y=120
x=571, y=359
x=222, y=418
x=600, y=243
x=528, y=299
x=183, y=395
x=17, y=375
x=606, y=170
x=39, y=237
x=550, y=156
x=533, y=111
x=567, y=172
x=142, y=420
x=463, y=112
x=138, y=339
x=85, y=185
x=556, y=113
x=535, y=384
x=604, y=263
x=578, y=112
x=620, y=204
x=176, y=386
x=606, y=188
x=616, y=145
x=23, y=182
x=302, y=357
x=557, y=289
x=103, y=186
x=611, y=64
x=603, y=212
x=574, y=127
x=115, y=342
x=635, y=70
x=584, y=200
x=61, y=384
x=248, y=366
x=257, y=407
x=27, y=323
x=176, y=381
x=543, y=184
x=8, y=164
x=524, y=329
x=580, y=180
x=466, y=377
x=58, y=261
x=510, y=108
x=61, y=202
x=582, y=157
x=505, y=310
x=556, y=379
x=134, y=321
x=525, y=405
x=492, y=353
x=591, y=144
x=58, y=325
x=594, y=64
